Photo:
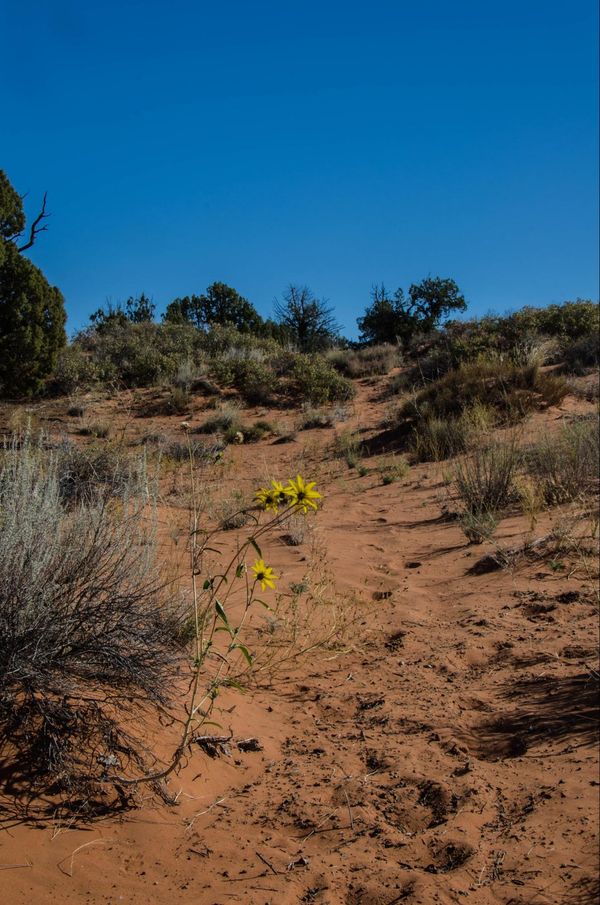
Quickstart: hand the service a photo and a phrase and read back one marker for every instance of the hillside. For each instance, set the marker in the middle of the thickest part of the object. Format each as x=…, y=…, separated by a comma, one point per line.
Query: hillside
x=436, y=740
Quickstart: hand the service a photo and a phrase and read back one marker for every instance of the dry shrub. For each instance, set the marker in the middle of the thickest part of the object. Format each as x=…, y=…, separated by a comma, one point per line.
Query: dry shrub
x=478, y=526
x=367, y=362
x=565, y=466
x=349, y=448
x=511, y=391
x=100, y=470
x=392, y=469
x=226, y=420
x=98, y=429
x=312, y=417
x=309, y=619
x=297, y=528
x=436, y=439
x=486, y=480
x=87, y=633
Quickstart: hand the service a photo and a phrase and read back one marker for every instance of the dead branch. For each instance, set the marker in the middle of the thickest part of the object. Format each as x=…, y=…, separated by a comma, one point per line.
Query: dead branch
x=35, y=226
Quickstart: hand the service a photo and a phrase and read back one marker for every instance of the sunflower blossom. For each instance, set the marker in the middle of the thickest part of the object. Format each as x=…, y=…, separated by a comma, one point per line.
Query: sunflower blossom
x=267, y=498
x=302, y=494
x=264, y=574
x=280, y=494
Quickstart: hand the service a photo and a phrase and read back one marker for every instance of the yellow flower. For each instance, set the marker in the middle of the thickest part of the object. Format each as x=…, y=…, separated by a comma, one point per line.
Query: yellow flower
x=264, y=574
x=267, y=498
x=279, y=493
x=301, y=494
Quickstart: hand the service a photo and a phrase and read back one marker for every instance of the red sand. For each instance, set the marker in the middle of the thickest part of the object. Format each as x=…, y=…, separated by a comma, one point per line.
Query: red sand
x=446, y=755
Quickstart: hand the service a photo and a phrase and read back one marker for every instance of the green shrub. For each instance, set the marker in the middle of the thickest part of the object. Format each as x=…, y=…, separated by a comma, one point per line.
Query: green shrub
x=582, y=355
x=314, y=380
x=144, y=354
x=75, y=369
x=255, y=381
x=252, y=433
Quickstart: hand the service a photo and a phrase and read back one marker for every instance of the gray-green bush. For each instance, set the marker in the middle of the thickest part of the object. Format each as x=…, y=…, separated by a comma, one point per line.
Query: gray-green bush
x=87, y=631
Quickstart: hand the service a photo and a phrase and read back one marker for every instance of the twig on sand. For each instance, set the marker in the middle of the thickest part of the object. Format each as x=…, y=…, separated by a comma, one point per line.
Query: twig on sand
x=14, y=866
x=349, y=809
x=268, y=864
x=69, y=873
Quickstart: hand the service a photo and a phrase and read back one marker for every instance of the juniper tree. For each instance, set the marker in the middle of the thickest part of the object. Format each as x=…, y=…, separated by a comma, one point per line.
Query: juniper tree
x=32, y=313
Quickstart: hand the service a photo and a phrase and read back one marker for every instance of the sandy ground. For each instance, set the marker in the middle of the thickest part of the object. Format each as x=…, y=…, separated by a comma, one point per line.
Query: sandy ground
x=443, y=751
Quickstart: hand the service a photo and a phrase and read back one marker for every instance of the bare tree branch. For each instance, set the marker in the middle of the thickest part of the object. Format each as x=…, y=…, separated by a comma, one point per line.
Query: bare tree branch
x=35, y=226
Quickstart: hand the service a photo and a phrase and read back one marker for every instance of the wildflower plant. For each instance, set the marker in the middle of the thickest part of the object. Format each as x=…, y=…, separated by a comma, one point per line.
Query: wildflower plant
x=218, y=618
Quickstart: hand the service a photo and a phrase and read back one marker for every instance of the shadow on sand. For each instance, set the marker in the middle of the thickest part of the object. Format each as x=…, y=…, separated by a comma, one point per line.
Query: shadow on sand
x=549, y=710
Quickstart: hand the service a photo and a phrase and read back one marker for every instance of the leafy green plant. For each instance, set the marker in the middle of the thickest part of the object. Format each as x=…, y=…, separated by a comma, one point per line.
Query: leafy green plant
x=313, y=380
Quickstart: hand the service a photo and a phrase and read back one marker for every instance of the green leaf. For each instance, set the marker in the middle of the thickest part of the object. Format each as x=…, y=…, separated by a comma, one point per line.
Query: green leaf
x=245, y=652
x=240, y=570
x=255, y=545
x=262, y=603
x=221, y=612
x=207, y=584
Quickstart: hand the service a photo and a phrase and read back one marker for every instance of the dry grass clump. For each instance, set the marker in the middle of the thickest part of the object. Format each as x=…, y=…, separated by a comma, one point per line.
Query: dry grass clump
x=435, y=439
x=558, y=469
x=98, y=429
x=392, y=469
x=511, y=391
x=565, y=467
x=312, y=417
x=103, y=470
x=233, y=512
x=349, y=448
x=478, y=526
x=86, y=629
x=485, y=480
x=179, y=451
x=227, y=419
x=297, y=529
x=367, y=362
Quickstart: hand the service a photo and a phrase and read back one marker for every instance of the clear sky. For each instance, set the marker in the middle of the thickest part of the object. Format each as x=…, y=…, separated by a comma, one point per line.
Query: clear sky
x=334, y=143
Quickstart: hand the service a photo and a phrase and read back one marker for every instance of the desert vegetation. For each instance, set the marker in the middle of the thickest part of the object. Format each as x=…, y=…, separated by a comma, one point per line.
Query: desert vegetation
x=303, y=602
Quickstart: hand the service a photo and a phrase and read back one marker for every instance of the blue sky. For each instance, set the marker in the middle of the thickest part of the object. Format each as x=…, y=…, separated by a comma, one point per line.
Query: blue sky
x=336, y=144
